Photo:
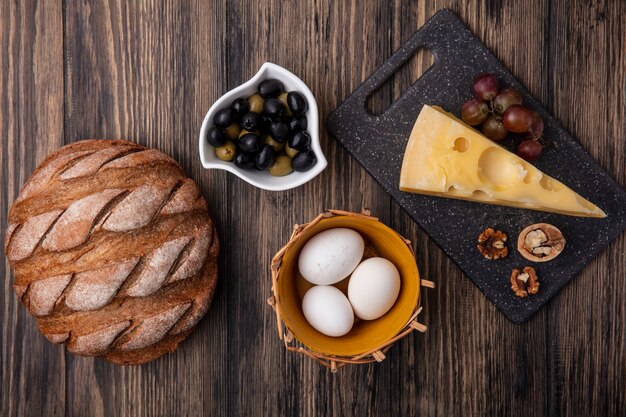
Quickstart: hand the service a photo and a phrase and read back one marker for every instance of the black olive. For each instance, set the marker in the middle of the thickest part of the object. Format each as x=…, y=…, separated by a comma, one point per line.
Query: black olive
x=299, y=141
x=250, y=142
x=270, y=88
x=240, y=107
x=245, y=132
x=297, y=103
x=243, y=160
x=266, y=121
x=279, y=131
x=250, y=121
x=224, y=118
x=303, y=161
x=298, y=123
x=216, y=137
x=265, y=158
x=273, y=108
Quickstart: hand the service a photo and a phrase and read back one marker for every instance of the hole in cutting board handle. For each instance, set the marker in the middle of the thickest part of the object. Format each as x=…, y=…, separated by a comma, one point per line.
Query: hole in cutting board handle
x=399, y=82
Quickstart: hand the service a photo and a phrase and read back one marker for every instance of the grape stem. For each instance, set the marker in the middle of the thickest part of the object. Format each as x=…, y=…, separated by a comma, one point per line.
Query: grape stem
x=544, y=143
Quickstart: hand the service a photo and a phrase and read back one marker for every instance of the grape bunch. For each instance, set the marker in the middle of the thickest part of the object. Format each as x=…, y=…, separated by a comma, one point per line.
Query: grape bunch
x=499, y=112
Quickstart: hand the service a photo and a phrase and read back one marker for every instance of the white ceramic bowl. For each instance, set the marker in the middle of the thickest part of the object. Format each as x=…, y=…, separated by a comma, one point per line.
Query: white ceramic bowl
x=262, y=179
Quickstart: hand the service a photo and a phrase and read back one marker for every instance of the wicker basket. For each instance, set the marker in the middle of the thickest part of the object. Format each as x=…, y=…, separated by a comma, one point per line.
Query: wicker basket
x=395, y=325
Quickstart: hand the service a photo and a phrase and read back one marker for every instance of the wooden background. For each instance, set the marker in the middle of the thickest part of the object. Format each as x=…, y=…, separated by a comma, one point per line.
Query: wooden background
x=149, y=70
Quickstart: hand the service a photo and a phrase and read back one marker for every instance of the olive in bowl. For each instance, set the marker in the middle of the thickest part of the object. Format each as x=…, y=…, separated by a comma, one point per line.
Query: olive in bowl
x=260, y=120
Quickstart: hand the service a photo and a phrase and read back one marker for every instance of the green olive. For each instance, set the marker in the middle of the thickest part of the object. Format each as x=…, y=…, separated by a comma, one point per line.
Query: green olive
x=268, y=140
x=256, y=103
x=290, y=151
x=232, y=131
x=283, y=99
x=226, y=152
x=282, y=166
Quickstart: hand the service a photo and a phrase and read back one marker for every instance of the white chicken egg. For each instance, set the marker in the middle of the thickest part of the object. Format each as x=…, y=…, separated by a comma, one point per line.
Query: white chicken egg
x=373, y=288
x=328, y=310
x=330, y=256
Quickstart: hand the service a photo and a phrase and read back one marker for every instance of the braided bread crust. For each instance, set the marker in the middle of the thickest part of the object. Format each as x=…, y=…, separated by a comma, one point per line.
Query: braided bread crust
x=113, y=250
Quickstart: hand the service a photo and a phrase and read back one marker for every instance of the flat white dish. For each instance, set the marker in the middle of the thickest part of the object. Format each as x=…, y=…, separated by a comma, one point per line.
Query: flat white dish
x=262, y=179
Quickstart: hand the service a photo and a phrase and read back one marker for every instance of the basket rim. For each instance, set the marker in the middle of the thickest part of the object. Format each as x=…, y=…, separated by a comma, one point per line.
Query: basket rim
x=334, y=362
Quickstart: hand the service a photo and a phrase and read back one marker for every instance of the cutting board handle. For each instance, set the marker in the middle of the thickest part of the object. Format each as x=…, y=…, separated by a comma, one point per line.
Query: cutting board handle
x=435, y=27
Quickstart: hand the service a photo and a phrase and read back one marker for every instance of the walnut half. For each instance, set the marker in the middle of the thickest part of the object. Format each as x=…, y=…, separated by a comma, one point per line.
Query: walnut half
x=524, y=282
x=540, y=242
x=491, y=243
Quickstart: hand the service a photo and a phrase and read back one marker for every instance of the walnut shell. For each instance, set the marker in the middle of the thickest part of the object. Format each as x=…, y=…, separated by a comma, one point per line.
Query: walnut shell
x=113, y=250
x=540, y=242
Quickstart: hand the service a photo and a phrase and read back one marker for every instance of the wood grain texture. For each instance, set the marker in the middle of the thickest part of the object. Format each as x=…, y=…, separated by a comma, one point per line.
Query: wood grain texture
x=31, y=126
x=149, y=70
x=135, y=70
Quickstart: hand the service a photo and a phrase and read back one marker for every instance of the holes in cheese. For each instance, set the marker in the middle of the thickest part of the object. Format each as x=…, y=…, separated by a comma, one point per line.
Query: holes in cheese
x=461, y=144
x=445, y=157
x=480, y=194
x=550, y=184
x=532, y=173
x=496, y=166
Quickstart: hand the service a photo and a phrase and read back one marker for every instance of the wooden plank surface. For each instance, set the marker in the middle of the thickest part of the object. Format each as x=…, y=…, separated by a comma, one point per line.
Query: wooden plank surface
x=148, y=70
x=32, y=370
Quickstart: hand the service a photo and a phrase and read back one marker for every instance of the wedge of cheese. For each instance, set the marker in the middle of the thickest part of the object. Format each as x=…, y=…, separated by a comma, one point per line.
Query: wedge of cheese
x=447, y=158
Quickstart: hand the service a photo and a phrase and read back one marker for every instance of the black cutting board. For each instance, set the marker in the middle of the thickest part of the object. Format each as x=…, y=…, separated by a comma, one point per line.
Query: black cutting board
x=378, y=143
